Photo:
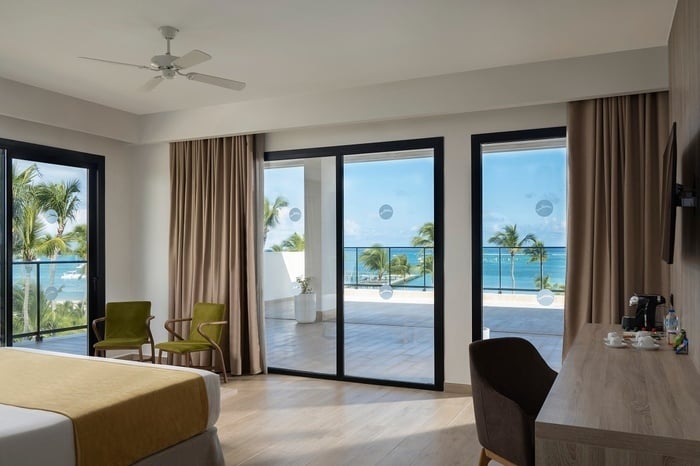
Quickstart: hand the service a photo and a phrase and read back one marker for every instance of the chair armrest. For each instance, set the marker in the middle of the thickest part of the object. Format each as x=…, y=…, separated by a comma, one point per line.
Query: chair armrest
x=205, y=324
x=94, y=327
x=148, y=328
x=169, y=326
x=509, y=430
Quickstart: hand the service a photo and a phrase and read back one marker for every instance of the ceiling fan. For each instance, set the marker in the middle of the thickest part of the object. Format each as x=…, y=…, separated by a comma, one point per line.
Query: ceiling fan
x=170, y=66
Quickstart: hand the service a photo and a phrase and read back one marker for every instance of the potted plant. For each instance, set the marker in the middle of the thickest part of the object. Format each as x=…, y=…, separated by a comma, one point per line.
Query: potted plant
x=305, y=302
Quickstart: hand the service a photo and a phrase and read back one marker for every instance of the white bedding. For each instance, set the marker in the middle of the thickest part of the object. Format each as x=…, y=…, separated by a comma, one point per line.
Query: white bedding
x=30, y=437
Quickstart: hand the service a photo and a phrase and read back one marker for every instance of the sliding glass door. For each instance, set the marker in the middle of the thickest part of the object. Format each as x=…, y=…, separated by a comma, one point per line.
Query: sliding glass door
x=519, y=225
x=53, y=278
x=352, y=262
x=389, y=297
x=299, y=284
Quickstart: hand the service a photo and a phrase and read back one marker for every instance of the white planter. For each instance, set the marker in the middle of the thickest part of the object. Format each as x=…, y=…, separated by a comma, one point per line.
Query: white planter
x=305, y=308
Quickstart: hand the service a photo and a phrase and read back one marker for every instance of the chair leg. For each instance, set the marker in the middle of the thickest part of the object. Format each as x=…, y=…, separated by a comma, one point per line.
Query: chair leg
x=160, y=356
x=140, y=354
x=483, y=458
x=153, y=352
x=496, y=457
x=223, y=363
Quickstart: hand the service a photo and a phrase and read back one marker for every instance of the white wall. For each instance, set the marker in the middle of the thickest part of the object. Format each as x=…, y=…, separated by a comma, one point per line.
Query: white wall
x=37, y=105
x=150, y=226
x=495, y=88
x=280, y=270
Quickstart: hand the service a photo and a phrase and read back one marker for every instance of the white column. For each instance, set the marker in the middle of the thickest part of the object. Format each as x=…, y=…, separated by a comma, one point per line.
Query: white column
x=319, y=229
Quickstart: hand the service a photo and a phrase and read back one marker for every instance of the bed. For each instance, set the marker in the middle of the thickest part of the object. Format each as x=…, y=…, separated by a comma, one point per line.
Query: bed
x=39, y=436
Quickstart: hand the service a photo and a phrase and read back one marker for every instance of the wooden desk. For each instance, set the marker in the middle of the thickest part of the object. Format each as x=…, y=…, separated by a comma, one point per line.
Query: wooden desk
x=620, y=407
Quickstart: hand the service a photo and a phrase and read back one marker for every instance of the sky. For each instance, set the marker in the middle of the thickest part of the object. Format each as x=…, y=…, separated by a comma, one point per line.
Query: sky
x=51, y=173
x=404, y=185
x=514, y=182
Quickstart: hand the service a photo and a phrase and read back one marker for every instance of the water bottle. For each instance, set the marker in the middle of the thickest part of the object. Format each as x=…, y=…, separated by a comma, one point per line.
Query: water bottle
x=671, y=326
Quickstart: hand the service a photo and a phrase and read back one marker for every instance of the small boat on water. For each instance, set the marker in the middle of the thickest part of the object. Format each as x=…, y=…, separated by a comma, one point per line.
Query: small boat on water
x=72, y=275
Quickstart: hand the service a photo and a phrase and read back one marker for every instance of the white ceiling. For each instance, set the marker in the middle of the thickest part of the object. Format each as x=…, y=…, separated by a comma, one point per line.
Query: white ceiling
x=285, y=47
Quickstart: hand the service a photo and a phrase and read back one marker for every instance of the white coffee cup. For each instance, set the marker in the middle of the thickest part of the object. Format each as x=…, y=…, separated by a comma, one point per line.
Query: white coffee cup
x=641, y=334
x=613, y=335
x=646, y=341
x=615, y=340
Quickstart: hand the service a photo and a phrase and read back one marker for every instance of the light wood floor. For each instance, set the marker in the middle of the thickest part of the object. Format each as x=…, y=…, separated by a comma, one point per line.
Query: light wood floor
x=283, y=420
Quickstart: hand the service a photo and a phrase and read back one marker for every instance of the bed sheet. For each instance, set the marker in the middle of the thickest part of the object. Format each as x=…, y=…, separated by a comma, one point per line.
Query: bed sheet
x=29, y=437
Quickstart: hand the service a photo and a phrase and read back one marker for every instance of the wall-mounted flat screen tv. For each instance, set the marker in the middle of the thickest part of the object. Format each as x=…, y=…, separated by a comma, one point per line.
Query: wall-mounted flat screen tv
x=670, y=198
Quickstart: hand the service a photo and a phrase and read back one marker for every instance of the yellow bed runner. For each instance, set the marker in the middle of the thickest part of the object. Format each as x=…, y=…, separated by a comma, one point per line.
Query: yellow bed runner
x=121, y=413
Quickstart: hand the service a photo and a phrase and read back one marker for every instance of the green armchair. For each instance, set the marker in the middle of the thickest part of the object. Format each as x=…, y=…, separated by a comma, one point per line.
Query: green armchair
x=126, y=326
x=206, y=327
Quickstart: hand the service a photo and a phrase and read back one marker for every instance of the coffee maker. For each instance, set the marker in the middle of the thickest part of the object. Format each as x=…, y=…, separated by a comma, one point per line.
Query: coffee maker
x=645, y=313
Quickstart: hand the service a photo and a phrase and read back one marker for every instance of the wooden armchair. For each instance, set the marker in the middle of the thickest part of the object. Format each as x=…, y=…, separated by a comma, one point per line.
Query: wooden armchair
x=206, y=327
x=126, y=326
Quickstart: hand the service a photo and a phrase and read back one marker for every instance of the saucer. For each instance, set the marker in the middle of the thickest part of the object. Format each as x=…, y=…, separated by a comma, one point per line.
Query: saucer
x=646, y=348
x=622, y=344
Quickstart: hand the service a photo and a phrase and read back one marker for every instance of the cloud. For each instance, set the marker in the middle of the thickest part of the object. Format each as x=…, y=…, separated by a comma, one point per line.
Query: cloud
x=493, y=216
x=351, y=228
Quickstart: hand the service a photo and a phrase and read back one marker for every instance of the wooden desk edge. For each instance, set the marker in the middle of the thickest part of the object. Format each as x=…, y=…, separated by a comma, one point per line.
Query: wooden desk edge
x=667, y=446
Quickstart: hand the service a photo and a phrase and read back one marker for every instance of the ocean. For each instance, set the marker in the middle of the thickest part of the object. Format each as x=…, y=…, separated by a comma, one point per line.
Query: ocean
x=525, y=272
x=69, y=282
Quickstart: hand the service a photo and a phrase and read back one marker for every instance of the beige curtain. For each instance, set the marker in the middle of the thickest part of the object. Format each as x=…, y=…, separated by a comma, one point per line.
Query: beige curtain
x=614, y=222
x=213, y=239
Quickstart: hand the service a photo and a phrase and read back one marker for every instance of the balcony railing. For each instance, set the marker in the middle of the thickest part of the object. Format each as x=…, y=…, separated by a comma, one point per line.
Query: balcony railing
x=534, y=268
x=49, y=297
x=404, y=267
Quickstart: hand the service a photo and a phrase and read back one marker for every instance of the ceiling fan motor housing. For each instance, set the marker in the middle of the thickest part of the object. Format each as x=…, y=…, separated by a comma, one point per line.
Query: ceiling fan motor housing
x=162, y=62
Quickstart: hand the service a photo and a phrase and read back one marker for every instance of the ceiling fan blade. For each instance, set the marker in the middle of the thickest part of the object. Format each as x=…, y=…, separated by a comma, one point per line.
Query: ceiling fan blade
x=216, y=81
x=152, y=83
x=195, y=57
x=116, y=62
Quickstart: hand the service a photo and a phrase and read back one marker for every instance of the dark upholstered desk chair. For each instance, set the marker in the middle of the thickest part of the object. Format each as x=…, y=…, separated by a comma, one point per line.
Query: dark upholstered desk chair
x=206, y=326
x=510, y=382
x=127, y=326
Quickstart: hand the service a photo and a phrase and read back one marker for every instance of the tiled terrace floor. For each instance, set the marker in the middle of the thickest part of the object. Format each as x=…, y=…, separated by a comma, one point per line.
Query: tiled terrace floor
x=394, y=339
x=75, y=343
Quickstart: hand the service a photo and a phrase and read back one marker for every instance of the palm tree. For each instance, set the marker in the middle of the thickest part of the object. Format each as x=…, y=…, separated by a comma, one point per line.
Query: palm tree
x=63, y=199
x=509, y=238
x=22, y=191
x=25, y=227
x=27, y=245
x=295, y=242
x=78, y=238
x=537, y=253
x=401, y=266
x=542, y=283
x=425, y=237
x=376, y=259
x=271, y=214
